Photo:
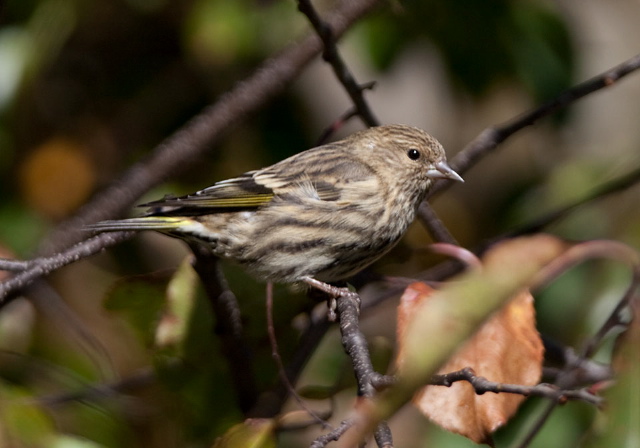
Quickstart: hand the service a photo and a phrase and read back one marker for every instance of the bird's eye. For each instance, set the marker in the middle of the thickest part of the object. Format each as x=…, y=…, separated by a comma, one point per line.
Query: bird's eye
x=413, y=154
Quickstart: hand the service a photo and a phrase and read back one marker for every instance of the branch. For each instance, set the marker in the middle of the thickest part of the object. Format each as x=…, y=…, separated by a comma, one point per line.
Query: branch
x=271, y=404
x=42, y=266
x=491, y=137
x=95, y=392
x=9, y=265
x=332, y=436
x=282, y=373
x=575, y=366
x=228, y=326
x=355, y=345
x=482, y=385
x=614, y=186
x=332, y=56
x=434, y=225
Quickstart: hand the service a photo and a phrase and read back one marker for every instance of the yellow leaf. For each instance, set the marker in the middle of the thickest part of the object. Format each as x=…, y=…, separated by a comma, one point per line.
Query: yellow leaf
x=252, y=433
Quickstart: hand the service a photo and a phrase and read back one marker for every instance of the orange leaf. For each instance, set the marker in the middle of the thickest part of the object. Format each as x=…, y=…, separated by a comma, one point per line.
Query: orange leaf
x=57, y=177
x=506, y=349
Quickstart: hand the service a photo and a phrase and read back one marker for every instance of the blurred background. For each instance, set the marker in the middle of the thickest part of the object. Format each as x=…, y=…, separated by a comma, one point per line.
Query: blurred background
x=89, y=87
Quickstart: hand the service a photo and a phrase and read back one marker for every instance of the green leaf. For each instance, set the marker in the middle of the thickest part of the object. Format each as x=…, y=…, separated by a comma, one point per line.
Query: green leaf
x=620, y=422
x=182, y=294
x=67, y=441
x=253, y=433
x=22, y=420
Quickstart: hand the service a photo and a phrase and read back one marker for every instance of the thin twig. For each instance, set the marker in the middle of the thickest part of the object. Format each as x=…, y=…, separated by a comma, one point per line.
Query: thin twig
x=482, y=385
x=275, y=354
x=95, y=392
x=309, y=341
x=66, y=320
x=615, y=319
x=614, y=186
x=434, y=225
x=9, y=265
x=332, y=56
x=491, y=137
x=567, y=375
x=333, y=127
x=45, y=265
x=332, y=436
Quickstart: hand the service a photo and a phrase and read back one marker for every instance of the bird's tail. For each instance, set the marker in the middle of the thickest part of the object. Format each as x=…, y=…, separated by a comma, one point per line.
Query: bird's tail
x=159, y=223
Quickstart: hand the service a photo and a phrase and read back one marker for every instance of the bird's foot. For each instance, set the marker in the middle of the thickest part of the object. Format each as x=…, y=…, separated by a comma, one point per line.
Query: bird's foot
x=335, y=293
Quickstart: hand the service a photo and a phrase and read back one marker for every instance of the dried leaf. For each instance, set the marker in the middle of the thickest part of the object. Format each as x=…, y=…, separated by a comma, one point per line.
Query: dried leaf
x=506, y=349
x=455, y=312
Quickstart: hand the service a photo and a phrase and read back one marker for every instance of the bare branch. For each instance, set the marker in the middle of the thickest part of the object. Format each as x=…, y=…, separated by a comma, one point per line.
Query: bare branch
x=434, y=225
x=9, y=265
x=614, y=186
x=272, y=403
x=333, y=127
x=355, y=345
x=275, y=354
x=332, y=436
x=332, y=56
x=228, y=327
x=491, y=137
x=45, y=265
x=615, y=319
x=482, y=385
x=95, y=392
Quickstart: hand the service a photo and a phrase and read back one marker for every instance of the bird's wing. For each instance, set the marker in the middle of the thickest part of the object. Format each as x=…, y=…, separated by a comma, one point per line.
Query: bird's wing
x=291, y=177
x=321, y=173
x=242, y=192
x=245, y=192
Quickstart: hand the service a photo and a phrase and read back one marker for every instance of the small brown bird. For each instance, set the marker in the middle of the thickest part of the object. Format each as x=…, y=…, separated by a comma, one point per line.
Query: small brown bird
x=323, y=214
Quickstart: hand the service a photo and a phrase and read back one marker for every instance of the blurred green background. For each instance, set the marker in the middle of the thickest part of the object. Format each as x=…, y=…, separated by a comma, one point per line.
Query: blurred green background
x=89, y=87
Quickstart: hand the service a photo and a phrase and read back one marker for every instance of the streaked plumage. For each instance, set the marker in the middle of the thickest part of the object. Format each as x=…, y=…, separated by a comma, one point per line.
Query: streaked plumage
x=325, y=213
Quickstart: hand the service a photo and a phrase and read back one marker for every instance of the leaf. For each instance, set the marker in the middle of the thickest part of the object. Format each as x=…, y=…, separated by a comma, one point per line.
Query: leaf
x=181, y=297
x=454, y=312
x=21, y=420
x=68, y=441
x=620, y=421
x=506, y=349
x=252, y=433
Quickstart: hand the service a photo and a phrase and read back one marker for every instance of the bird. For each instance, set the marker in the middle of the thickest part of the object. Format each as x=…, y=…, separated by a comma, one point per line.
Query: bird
x=319, y=216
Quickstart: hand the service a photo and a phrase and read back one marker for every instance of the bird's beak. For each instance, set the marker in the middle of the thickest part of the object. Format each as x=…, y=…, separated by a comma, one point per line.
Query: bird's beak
x=442, y=170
